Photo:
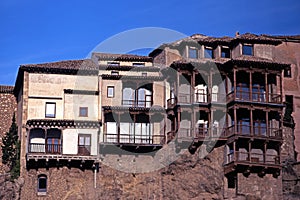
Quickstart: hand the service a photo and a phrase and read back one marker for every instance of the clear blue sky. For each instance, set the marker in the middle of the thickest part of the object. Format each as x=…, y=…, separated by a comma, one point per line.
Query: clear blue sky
x=36, y=31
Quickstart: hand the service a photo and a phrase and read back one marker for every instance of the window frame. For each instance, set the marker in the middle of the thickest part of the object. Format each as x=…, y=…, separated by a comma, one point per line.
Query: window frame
x=196, y=52
x=137, y=64
x=113, y=63
x=113, y=91
x=42, y=191
x=287, y=72
x=84, y=108
x=50, y=115
x=248, y=45
x=114, y=73
x=209, y=49
x=225, y=48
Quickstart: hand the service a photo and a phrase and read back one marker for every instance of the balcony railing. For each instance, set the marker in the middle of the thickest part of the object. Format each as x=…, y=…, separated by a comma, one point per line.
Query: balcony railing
x=45, y=148
x=259, y=131
x=133, y=138
x=211, y=132
x=253, y=158
x=260, y=97
x=140, y=103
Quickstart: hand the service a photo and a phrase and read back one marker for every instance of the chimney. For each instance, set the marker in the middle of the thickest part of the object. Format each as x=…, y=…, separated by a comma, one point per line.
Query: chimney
x=237, y=34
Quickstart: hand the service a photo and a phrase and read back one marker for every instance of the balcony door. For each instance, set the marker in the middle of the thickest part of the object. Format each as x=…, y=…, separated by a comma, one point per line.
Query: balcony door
x=53, y=145
x=84, y=144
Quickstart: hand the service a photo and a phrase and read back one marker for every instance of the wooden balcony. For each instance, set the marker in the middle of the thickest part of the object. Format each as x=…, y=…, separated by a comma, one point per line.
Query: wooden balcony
x=133, y=139
x=256, y=97
x=139, y=103
x=255, y=131
x=44, y=148
x=245, y=161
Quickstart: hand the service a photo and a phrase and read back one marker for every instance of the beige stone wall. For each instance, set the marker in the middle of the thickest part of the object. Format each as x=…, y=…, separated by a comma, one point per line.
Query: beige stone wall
x=70, y=140
x=117, y=99
x=53, y=85
x=158, y=93
x=73, y=102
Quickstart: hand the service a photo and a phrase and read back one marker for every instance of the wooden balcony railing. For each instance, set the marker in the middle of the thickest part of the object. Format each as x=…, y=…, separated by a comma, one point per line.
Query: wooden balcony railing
x=253, y=158
x=133, y=138
x=45, y=148
x=260, y=97
x=140, y=103
x=259, y=131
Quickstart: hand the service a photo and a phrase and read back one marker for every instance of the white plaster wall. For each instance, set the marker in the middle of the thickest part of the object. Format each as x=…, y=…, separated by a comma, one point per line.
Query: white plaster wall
x=70, y=140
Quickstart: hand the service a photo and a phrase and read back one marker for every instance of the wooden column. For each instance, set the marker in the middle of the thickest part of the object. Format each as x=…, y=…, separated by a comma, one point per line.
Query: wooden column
x=250, y=147
x=118, y=128
x=251, y=122
x=210, y=85
x=234, y=83
x=267, y=124
x=267, y=88
x=250, y=85
x=235, y=119
x=235, y=154
x=265, y=151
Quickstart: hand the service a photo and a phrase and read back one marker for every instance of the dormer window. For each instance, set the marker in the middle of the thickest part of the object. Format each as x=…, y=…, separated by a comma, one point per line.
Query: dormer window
x=225, y=52
x=113, y=63
x=247, y=49
x=208, y=52
x=193, y=53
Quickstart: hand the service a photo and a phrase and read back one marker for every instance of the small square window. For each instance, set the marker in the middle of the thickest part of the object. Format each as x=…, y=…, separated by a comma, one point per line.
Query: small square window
x=115, y=73
x=247, y=50
x=208, y=52
x=225, y=52
x=144, y=74
x=50, y=110
x=110, y=91
x=83, y=111
x=113, y=63
x=288, y=72
x=138, y=64
x=193, y=53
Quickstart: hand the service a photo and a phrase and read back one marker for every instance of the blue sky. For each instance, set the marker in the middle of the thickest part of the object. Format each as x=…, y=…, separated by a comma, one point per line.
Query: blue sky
x=35, y=31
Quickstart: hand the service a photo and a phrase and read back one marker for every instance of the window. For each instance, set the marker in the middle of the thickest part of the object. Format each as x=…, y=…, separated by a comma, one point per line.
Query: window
x=247, y=50
x=115, y=73
x=138, y=64
x=193, y=53
x=144, y=74
x=231, y=181
x=110, y=91
x=113, y=63
x=288, y=72
x=83, y=111
x=208, y=52
x=42, y=184
x=225, y=52
x=50, y=109
x=84, y=144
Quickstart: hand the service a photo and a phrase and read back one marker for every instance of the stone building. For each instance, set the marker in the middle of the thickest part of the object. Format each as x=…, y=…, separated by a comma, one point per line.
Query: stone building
x=7, y=109
x=199, y=118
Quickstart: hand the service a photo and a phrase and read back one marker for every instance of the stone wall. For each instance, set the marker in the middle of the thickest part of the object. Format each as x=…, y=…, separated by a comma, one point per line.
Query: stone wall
x=7, y=109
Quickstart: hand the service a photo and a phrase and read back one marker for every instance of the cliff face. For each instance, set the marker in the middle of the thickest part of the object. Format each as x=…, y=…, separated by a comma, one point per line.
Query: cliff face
x=189, y=177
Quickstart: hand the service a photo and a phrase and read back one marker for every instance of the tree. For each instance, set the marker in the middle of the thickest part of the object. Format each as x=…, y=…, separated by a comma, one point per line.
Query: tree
x=11, y=150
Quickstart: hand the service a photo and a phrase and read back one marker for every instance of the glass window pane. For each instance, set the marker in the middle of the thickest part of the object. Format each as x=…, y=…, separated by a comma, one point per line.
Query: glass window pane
x=81, y=140
x=50, y=110
x=248, y=50
x=87, y=141
x=193, y=53
x=110, y=91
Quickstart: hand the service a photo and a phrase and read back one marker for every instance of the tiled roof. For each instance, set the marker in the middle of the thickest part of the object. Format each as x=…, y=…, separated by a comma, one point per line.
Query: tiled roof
x=256, y=38
x=6, y=89
x=284, y=37
x=258, y=60
x=121, y=57
x=86, y=64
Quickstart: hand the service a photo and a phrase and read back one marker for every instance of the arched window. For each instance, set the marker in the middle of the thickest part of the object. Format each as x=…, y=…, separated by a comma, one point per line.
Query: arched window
x=42, y=184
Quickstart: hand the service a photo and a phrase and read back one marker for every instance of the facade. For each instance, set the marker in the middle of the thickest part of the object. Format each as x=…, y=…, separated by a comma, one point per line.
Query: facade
x=225, y=96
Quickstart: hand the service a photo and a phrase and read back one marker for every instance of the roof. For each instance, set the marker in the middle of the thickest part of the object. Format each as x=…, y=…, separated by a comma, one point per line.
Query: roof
x=198, y=39
x=121, y=57
x=85, y=64
x=289, y=38
x=6, y=89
